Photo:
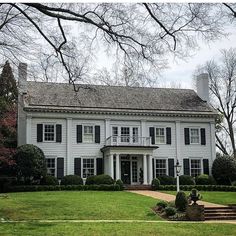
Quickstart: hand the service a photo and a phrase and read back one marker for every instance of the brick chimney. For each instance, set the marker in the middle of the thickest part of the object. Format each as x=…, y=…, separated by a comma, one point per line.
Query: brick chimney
x=203, y=87
x=22, y=78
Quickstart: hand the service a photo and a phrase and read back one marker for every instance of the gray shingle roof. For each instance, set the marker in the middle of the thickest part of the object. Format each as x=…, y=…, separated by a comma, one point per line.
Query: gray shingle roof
x=115, y=97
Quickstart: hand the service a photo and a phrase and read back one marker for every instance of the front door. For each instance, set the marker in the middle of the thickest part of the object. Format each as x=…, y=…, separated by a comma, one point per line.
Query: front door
x=125, y=172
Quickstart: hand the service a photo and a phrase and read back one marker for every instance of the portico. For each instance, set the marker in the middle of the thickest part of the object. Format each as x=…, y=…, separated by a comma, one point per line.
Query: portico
x=133, y=165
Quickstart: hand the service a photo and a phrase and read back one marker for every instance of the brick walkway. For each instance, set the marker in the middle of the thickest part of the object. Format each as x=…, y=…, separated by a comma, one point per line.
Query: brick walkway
x=169, y=197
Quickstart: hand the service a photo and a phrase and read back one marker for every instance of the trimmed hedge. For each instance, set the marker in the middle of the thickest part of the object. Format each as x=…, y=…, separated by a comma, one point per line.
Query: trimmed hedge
x=205, y=180
x=223, y=188
x=49, y=180
x=36, y=188
x=166, y=180
x=186, y=180
x=72, y=180
x=99, y=179
x=155, y=184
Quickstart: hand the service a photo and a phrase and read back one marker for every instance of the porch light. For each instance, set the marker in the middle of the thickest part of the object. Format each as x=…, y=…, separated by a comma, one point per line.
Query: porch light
x=177, y=170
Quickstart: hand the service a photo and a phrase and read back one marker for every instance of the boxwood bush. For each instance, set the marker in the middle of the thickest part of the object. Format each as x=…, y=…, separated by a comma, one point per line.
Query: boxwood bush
x=99, y=179
x=204, y=180
x=71, y=180
x=155, y=184
x=49, y=180
x=166, y=180
x=181, y=201
x=186, y=180
x=120, y=183
x=170, y=211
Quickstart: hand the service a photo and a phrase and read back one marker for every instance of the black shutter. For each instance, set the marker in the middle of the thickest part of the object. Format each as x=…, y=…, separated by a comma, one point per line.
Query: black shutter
x=168, y=135
x=153, y=169
x=203, y=136
x=39, y=132
x=186, y=167
x=97, y=134
x=77, y=166
x=206, y=166
x=60, y=167
x=186, y=136
x=58, y=134
x=99, y=162
x=79, y=133
x=152, y=134
x=171, y=167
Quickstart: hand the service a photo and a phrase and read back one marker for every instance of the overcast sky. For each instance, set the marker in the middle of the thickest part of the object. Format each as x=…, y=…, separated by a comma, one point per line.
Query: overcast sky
x=181, y=71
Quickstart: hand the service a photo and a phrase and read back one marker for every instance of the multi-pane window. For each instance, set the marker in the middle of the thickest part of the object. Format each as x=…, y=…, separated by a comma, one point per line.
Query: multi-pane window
x=160, y=167
x=51, y=167
x=88, y=134
x=88, y=167
x=195, y=167
x=134, y=172
x=160, y=135
x=125, y=134
x=194, y=136
x=49, y=132
x=114, y=134
x=135, y=134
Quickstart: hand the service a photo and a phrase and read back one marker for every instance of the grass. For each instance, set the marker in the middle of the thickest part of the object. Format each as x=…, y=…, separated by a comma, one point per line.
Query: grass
x=159, y=228
x=87, y=205
x=223, y=198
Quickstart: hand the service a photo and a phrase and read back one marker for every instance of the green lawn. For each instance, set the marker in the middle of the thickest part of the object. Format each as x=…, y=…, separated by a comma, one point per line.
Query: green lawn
x=80, y=205
x=158, y=229
x=223, y=198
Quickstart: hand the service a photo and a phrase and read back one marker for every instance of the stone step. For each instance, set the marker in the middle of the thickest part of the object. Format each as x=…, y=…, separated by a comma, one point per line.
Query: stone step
x=220, y=214
x=220, y=217
x=219, y=210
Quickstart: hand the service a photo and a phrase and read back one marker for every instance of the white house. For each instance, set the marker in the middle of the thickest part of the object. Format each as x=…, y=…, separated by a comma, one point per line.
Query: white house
x=119, y=131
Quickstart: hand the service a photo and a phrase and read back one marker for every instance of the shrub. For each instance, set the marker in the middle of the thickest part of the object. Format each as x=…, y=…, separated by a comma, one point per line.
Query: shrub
x=171, y=204
x=49, y=180
x=30, y=163
x=166, y=180
x=155, y=184
x=170, y=211
x=90, y=180
x=181, y=201
x=71, y=180
x=162, y=204
x=233, y=183
x=224, y=169
x=186, y=180
x=5, y=183
x=120, y=183
x=204, y=180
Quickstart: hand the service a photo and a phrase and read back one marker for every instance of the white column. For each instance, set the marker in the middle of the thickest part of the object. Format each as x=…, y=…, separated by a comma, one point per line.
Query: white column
x=68, y=145
x=107, y=128
x=144, y=169
x=117, y=166
x=178, y=142
x=150, y=169
x=213, y=145
x=28, y=130
x=111, y=166
x=143, y=130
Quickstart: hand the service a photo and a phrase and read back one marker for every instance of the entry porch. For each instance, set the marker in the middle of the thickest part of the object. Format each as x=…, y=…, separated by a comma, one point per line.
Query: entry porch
x=134, y=166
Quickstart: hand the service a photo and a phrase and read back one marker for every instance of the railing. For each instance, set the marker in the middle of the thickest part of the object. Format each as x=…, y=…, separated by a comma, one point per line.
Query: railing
x=126, y=140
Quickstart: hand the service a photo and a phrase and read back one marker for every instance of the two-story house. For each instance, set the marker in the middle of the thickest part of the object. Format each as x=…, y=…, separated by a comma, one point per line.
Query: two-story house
x=119, y=131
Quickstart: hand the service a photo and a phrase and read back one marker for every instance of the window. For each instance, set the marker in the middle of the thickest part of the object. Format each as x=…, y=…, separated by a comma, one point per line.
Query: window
x=134, y=171
x=114, y=134
x=49, y=132
x=160, y=135
x=135, y=134
x=195, y=167
x=88, y=134
x=160, y=167
x=125, y=134
x=194, y=136
x=51, y=167
x=88, y=167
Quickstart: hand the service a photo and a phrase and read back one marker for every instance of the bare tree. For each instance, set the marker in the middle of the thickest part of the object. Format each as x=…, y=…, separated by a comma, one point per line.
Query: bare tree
x=222, y=76
x=137, y=33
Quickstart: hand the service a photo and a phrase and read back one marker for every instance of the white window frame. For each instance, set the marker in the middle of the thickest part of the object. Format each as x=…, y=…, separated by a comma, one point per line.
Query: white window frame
x=93, y=139
x=190, y=165
x=160, y=158
x=82, y=165
x=49, y=141
x=160, y=127
x=190, y=135
x=55, y=159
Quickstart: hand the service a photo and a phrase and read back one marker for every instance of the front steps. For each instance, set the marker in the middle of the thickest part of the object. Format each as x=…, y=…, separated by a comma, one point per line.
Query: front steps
x=220, y=213
x=137, y=187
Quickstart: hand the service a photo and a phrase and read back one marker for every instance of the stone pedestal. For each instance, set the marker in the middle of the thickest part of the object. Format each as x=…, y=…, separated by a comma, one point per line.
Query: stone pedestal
x=195, y=212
